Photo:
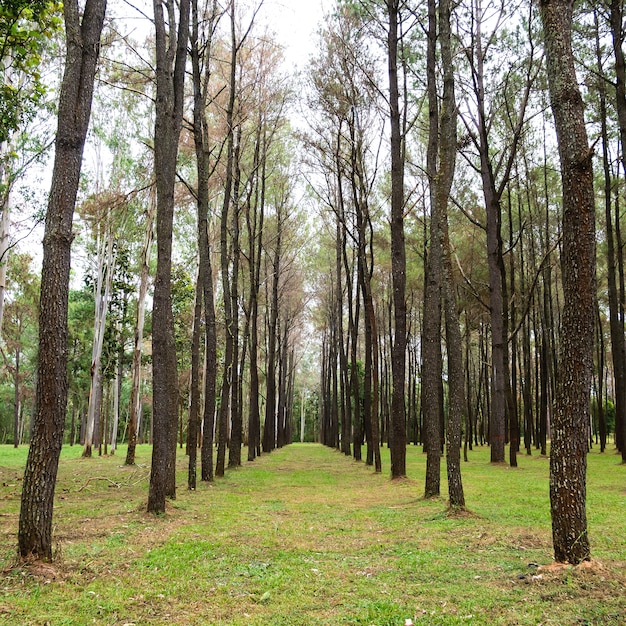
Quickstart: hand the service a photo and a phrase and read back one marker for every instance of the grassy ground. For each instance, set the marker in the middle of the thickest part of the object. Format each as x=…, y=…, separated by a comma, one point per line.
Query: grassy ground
x=306, y=536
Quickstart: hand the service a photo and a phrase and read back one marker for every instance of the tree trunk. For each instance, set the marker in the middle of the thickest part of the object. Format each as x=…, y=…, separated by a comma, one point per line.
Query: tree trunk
x=171, y=57
x=135, y=404
x=431, y=329
x=397, y=435
x=255, y=217
x=568, y=461
x=83, y=45
x=236, y=436
x=5, y=224
x=106, y=263
x=117, y=392
x=16, y=399
x=497, y=428
x=194, y=392
x=618, y=345
x=512, y=315
x=454, y=343
x=269, y=430
x=203, y=151
x=617, y=323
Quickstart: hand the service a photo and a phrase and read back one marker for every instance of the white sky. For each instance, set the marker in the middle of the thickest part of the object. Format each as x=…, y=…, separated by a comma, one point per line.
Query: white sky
x=296, y=23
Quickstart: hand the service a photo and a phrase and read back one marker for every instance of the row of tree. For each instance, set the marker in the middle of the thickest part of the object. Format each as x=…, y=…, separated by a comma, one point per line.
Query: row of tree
x=442, y=232
x=493, y=280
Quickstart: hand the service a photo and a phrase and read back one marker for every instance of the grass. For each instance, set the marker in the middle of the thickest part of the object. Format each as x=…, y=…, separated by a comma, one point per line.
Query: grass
x=308, y=536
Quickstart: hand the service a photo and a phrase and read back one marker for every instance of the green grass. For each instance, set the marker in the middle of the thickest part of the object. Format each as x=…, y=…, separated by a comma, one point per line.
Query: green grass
x=306, y=536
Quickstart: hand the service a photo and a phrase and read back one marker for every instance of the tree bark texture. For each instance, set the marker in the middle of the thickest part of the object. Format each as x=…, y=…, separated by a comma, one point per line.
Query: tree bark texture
x=617, y=325
x=618, y=345
x=397, y=434
x=200, y=55
x=431, y=329
x=454, y=342
x=83, y=46
x=568, y=461
x=171, y=56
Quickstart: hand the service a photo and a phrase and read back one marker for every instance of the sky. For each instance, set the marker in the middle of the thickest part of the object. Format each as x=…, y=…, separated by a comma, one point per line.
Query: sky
x=296, y=23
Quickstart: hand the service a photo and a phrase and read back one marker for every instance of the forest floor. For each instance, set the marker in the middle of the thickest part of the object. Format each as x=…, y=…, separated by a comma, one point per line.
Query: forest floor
x=307, y=536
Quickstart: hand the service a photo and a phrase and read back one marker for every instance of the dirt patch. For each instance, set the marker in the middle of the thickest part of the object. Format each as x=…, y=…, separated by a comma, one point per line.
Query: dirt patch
x=591, y=566
x=37, y=569
x=457, y=513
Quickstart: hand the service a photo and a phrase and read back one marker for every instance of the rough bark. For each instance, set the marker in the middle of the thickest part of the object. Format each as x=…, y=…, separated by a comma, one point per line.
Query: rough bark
x=200, y=59
x=431, y=329
x=83, y=45
x=617, y=324
x=171, y=56
x=568, y=460
x=618, y=345
x=454, y=342
x=397, y=434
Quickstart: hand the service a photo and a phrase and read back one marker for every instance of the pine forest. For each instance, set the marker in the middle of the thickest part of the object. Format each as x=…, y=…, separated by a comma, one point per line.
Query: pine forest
x=401, y=243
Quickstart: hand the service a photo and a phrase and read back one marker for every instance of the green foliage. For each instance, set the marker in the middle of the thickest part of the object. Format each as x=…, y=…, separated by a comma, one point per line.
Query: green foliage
x=119, y=328
x=609, y=415
x=19, y=334
x=183, y=299
x=25, y=27
x=80, y=339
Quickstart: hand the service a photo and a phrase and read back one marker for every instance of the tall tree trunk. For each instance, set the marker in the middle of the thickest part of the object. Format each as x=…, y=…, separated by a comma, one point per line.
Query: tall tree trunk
x=171, y=57
x=269, y=430
x=236, y=437
x=194, y=392
x=83, y=46
x=229, y=364
x=134, y=407
x=343, y=358
x=512, y=315
x=16, y=398
x=283, y=373
x=431, y=329
x=568, y=460
x=494, y=258
x=106, y=262
x=205, y=269
x=355, y=383
x=454, y=343
x=397, y=435
x=617, y=325
x=255, y=217
x=526, y=380
x=117, y=392
x=618, y=345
